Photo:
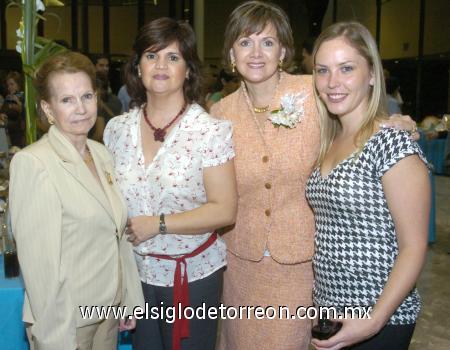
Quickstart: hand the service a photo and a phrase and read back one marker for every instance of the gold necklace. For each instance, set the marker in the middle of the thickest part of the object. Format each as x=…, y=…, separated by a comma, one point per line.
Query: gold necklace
x=260, y=109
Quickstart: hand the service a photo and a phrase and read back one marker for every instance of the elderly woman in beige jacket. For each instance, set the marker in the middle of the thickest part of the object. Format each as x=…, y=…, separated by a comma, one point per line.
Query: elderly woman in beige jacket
x=68, y=219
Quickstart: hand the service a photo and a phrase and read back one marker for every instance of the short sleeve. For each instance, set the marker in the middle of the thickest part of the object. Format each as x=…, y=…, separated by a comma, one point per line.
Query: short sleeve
x=107, y=135
x=391, y=146
x=219, y=147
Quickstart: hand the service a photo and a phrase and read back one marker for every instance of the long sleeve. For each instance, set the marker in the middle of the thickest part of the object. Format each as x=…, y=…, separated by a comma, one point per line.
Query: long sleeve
x=36, y=222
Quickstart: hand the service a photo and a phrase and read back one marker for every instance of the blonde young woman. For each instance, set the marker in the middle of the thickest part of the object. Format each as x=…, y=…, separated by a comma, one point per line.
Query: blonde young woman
x=271, y=246
x=371, y=198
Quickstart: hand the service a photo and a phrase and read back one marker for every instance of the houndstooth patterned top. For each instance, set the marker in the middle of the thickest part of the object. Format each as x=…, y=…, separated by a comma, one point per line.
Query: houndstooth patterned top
x=355, y=241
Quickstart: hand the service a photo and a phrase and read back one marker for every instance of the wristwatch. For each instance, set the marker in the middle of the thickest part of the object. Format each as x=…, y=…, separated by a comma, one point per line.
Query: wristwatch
x=162, y=225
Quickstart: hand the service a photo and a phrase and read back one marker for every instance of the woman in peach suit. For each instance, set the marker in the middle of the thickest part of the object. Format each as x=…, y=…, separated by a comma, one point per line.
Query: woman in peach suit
x=276, y=135
x=271, y=246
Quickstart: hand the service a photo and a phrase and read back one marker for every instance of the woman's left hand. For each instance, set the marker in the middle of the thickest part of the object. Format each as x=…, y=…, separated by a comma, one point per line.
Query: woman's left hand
x=127, y=324
x=402, y=122
x=353, y=331
x=141, y=228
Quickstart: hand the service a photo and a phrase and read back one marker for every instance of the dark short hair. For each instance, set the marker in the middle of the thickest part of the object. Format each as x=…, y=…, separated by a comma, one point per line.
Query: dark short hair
x=252, y=17
x=157, y=35
x=67, y=62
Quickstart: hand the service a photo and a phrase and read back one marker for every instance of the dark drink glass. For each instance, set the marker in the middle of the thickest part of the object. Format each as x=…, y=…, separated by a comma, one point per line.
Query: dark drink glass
x=11, y=264
x=325, y=329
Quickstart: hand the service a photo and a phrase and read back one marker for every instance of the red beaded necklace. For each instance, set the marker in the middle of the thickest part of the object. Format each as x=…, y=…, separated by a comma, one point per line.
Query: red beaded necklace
x=160, y=133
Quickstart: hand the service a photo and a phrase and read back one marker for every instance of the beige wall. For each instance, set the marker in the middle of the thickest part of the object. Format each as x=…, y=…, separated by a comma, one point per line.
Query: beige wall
x=400, y=28
x=363, y=11
x=123, y=28
x=400, y=24
x=58, y=24
x=13, y=16
x=437, y=27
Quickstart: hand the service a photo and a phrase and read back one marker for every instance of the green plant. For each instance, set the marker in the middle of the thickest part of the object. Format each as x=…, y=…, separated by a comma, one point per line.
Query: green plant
x=34, y=50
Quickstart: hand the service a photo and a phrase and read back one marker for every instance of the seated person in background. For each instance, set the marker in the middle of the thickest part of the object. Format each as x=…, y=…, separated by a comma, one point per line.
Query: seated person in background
x=109, y=106
x=392, y=90
x=13, y=109
x=226, y=84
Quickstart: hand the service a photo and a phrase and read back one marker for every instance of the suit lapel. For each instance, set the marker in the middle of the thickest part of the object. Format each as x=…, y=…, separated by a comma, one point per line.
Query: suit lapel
x=106, y=174
x=74, y=165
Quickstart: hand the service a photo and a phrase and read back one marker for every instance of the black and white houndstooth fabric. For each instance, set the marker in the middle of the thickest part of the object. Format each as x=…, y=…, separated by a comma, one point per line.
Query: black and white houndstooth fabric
x=355, y=240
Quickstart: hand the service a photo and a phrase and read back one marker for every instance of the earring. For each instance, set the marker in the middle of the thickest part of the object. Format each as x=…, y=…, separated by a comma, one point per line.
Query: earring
x=51, y=121
x=280, y=65
x=187, y=75
x=233, y=67
x=139, y=72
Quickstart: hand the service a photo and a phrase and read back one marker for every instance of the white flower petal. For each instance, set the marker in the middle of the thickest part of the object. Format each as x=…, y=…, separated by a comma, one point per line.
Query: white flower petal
x=19, y=46
x=40, y=5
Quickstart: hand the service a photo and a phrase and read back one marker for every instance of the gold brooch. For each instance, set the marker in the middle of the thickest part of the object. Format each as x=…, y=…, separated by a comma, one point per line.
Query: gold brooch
x=109, y=178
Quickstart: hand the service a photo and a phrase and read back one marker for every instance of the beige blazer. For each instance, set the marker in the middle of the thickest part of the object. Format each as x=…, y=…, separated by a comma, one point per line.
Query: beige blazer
x=271, y=176
x=70, y=241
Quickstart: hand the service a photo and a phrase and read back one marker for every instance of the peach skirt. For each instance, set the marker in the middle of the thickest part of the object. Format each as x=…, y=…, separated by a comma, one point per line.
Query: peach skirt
x=266, y=283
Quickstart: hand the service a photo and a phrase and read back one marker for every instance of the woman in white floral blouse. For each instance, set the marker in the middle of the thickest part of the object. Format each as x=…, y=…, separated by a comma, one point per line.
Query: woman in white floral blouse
x=174, y=165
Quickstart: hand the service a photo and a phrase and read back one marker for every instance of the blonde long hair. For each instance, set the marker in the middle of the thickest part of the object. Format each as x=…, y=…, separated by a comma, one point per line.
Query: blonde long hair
x=357, y=36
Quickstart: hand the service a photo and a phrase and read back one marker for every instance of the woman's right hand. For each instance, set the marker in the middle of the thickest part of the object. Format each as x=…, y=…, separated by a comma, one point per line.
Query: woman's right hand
x=353, y=331
x=141, y=228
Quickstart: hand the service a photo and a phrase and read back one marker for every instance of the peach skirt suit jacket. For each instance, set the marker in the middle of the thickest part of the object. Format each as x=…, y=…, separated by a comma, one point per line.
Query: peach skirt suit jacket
x=70, y=238
x=271, y=246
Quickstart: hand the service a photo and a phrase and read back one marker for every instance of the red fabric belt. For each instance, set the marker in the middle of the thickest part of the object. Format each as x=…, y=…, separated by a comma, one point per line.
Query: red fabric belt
x=181, y=291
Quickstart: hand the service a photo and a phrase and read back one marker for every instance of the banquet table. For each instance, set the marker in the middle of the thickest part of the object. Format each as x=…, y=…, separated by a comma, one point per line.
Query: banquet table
x=12, y=329
x=434, y=151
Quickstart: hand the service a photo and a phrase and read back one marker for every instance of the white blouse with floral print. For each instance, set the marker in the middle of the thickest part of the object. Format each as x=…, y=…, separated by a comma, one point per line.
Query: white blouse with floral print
x=171, y=183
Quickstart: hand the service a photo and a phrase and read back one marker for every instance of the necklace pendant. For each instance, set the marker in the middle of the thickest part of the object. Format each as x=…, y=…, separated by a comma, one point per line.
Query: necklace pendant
x=159, y=134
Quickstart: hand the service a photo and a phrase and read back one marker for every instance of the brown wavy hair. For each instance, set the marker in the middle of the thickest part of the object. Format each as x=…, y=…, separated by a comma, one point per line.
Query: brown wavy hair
x=252, y=17
x=157, y=35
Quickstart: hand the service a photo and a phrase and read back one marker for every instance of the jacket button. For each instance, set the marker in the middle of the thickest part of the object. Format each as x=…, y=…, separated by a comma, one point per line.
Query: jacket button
x=265, y=159
x=268, y=185
x=267, y=212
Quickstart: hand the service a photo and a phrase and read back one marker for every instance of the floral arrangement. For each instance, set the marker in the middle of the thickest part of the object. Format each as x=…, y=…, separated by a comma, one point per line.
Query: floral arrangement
x=34, y=50
x=291, y=111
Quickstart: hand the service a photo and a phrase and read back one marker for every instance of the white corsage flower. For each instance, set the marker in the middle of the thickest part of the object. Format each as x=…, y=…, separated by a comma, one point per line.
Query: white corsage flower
x=290, y=112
